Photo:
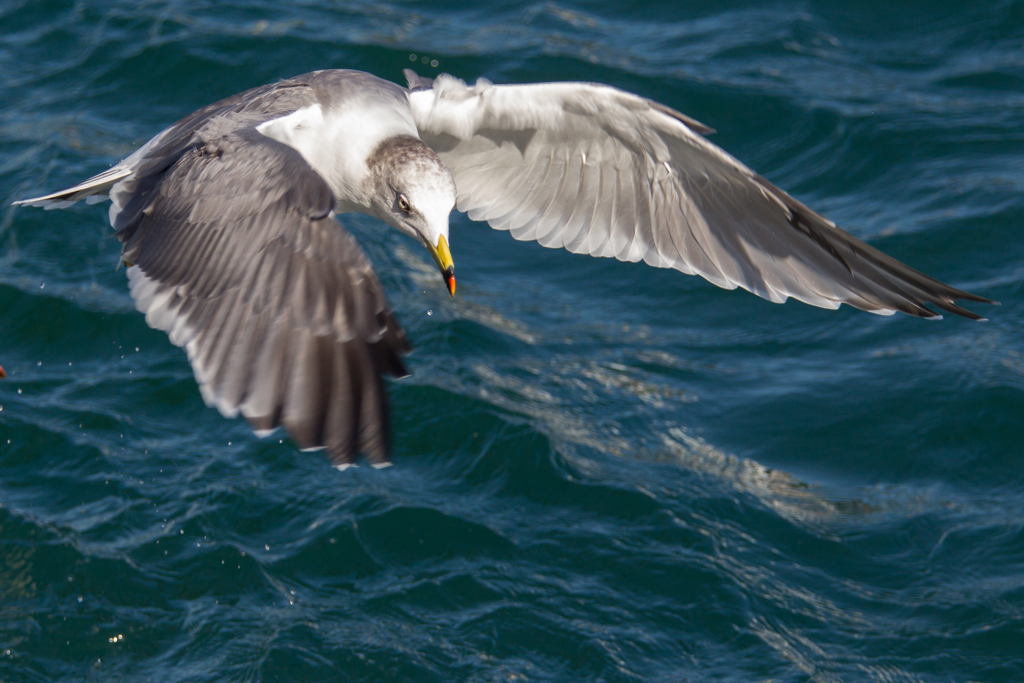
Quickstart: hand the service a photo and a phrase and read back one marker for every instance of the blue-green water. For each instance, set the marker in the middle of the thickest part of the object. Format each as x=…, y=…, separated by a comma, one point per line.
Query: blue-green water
x=605, y=472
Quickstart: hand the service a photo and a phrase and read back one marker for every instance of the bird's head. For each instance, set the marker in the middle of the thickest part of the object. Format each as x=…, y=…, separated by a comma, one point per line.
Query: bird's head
x=413, y=191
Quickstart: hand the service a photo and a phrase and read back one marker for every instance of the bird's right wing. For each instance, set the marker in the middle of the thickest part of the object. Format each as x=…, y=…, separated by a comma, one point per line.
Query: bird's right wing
x=603, y=172
x=234, y=252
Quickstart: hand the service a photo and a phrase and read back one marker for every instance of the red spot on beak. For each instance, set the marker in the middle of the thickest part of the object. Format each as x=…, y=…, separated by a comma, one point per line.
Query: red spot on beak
x=450, y=281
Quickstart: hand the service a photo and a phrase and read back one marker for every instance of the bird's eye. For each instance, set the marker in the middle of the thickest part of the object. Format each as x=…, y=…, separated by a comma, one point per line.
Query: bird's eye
x=403, y=203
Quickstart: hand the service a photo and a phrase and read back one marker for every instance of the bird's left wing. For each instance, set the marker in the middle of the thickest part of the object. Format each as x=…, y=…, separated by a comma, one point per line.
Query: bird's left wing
x=600, y=171
x=234, y=252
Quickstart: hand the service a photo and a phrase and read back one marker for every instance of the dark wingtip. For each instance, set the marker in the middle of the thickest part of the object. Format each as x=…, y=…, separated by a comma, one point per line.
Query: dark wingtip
x=958, y=294
x=967, y=296
x=950, y=307
x=963, y=312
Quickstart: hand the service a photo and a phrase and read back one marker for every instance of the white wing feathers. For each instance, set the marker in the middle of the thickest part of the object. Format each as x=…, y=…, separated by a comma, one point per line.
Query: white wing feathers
x=93, y=190
x=600, y=171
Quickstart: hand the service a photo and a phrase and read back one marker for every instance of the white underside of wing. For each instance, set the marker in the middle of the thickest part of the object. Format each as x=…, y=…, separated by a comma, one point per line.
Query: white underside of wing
x=595, y=170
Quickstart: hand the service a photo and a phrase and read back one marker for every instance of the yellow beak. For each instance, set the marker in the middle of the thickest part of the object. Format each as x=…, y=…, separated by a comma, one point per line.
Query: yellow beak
x=443, y=258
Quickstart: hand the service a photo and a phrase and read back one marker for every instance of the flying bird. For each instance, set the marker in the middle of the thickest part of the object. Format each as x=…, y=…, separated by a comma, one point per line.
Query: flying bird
x=227, y=224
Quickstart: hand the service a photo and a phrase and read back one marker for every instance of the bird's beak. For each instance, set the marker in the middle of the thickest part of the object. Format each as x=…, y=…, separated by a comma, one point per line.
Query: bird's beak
x=443, y=259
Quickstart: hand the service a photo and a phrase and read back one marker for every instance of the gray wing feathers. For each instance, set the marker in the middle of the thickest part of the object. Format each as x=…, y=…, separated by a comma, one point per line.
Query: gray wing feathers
x=599, y=171
x=235, y=254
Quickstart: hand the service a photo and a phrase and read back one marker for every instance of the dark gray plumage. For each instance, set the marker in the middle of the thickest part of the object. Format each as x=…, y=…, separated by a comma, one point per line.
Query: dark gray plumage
x=235, y=254
x=281, y=313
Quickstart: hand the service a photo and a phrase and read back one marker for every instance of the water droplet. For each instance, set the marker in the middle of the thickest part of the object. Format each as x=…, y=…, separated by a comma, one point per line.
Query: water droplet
x=39, y=364
x=425, y=60
x=19, y=391
x=266, y=547
x=42, y=285
x=433, y=62
x=429, y=312
x=80, y=598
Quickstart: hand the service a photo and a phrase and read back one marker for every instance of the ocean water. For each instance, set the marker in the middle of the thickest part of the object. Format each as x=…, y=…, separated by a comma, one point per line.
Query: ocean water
x=604, y=471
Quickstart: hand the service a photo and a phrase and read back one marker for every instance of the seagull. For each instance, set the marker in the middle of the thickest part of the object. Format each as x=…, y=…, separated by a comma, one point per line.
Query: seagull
x=227, y=221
